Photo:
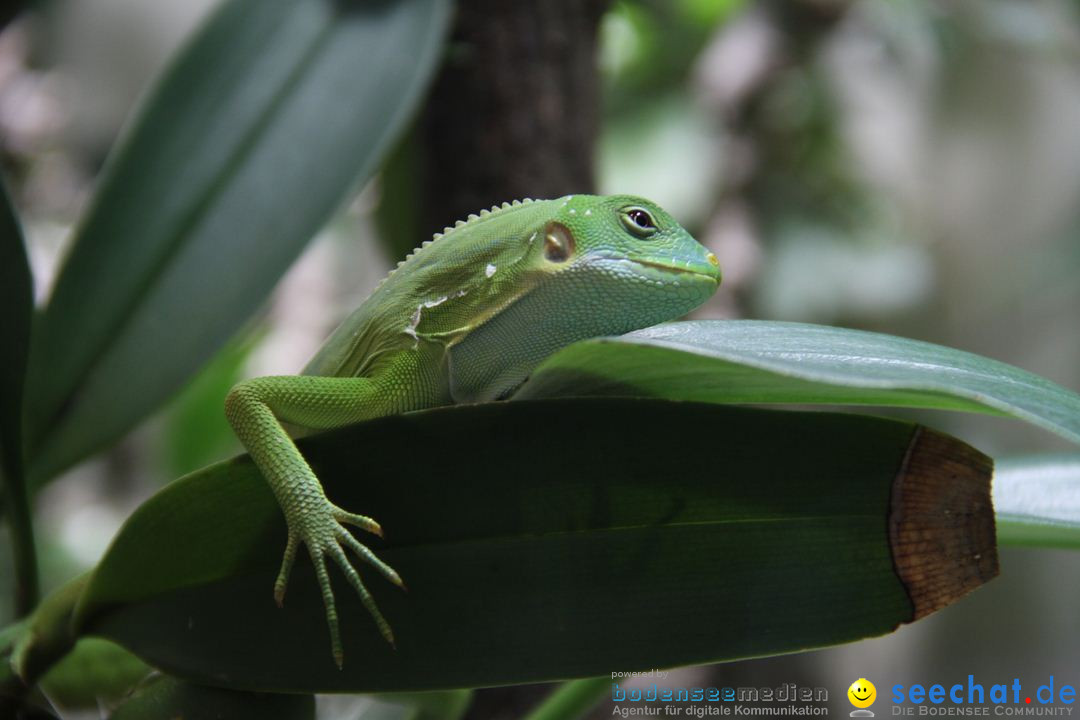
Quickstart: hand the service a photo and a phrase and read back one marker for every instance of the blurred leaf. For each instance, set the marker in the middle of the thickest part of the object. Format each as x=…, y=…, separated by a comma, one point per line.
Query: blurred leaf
x=399, y=224
x=437, y=705
x=196, y=432
x=250, y=140
x=370, y=707
x=166, y=698
x=95, y=671
x=569, y=537
x=48, y=635
x=709, y=13
x=16, y=316
x=11, y=9
x=649, y=47
x=11, y=633
x=445, y=705
x=572, y=700
x=750, y=361
x=1038, y=500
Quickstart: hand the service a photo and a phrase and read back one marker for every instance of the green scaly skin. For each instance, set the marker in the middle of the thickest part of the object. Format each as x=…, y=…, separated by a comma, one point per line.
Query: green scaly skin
x=465, y=318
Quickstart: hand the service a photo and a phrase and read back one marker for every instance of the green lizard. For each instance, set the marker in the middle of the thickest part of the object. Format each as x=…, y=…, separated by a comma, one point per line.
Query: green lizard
x=463, y=319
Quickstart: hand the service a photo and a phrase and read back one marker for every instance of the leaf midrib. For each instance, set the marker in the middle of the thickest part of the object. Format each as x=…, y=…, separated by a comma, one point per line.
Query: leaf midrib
x=190, y=219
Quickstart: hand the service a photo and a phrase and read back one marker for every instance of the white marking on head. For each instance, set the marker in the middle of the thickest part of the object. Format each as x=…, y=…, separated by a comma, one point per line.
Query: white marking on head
x=490, y=270
x=573, y=211
x=588, y=213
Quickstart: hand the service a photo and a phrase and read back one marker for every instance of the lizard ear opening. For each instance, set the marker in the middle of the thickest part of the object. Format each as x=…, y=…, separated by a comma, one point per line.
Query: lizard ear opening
x=558, y=242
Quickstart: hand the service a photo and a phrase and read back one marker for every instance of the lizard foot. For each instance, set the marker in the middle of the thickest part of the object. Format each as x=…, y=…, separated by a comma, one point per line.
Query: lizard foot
x=325, y=535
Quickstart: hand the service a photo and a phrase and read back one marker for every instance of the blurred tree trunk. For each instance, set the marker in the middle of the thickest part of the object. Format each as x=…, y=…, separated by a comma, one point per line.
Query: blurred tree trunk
x=513, y=114
x=515, y=110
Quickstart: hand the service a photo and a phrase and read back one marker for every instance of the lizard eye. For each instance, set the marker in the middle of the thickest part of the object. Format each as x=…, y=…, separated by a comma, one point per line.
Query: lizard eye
x=638, y=221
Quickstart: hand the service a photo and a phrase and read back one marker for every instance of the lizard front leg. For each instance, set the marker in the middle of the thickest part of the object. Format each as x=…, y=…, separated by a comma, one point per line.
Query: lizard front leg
x=255, y=409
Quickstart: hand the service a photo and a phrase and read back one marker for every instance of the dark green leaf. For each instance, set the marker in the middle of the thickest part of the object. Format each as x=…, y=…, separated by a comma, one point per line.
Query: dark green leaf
x=749, y=361
x=16, y=315
x=251, y=139
x=1038, y=500
x=548, y=540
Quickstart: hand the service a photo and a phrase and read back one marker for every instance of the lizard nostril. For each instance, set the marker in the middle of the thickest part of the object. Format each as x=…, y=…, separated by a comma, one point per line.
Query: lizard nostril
x=712, y=260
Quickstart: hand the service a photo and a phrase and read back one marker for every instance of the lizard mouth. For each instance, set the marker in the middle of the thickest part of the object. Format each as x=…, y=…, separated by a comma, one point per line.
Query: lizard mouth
x=706, y=272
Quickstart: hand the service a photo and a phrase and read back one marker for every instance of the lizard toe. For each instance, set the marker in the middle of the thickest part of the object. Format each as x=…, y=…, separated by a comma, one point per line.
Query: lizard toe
x=361, y=521
x=319, y=559
x=365, y=596
x=282, y=581
x=364, y=553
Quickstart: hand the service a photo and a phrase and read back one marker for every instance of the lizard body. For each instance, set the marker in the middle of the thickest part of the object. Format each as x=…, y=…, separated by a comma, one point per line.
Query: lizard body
x=465, y=318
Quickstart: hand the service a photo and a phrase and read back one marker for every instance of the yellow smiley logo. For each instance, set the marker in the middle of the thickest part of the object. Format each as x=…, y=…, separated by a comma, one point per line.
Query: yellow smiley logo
x=862, y=693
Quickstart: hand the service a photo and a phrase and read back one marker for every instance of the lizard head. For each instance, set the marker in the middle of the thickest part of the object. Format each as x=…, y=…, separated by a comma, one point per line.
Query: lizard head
x=628, y=251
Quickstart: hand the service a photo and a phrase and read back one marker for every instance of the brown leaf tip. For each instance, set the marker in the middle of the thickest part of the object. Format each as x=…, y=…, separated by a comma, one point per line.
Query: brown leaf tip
x=941, y=521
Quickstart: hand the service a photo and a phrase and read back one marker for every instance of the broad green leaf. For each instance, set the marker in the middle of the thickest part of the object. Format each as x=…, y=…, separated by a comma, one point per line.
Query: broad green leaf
x=248, y=143
x=555, y=539
x=166, y=698
x=1038, y=500
x=16, y=315
x=749, y=361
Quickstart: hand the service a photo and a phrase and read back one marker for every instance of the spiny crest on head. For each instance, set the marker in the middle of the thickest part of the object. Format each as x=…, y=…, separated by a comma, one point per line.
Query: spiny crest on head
x=495, y=210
